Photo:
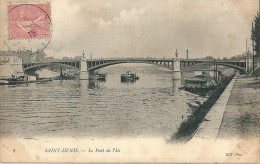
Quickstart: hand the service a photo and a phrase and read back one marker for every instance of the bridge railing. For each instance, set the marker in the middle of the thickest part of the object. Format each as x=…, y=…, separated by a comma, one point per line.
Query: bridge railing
x=156, y=58
x=137, y=59
x=131, y=58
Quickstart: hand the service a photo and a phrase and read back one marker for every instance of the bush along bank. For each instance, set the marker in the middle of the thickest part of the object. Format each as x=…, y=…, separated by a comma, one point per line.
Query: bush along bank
x=189, y=126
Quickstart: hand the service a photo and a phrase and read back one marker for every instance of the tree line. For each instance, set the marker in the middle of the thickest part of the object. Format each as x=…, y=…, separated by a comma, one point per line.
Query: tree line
x=255, y=34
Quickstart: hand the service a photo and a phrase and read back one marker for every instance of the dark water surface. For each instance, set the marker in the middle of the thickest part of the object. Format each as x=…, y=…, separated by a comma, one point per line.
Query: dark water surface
x=151, y=107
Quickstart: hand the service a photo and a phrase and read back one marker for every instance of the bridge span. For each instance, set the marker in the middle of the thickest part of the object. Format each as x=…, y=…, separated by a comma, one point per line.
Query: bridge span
x=87, y=66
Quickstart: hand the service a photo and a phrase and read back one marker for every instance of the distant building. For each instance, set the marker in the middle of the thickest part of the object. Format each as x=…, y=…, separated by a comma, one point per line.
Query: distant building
x=24, y=55
x=10, y=66
x=27, y=56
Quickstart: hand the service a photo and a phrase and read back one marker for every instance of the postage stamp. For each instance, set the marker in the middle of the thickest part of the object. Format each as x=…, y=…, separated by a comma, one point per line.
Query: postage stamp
x=26, y=21
x=27, y=25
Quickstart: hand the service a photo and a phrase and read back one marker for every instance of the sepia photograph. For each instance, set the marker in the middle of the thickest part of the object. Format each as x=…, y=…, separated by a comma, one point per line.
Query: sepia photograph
x=130, y=81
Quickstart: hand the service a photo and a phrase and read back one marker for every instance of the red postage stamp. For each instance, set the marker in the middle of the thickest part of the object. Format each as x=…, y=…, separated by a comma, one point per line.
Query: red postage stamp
x=27, y=21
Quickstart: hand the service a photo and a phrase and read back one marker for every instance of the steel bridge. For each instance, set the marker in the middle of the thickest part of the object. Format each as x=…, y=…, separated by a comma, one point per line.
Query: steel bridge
x=95, y=64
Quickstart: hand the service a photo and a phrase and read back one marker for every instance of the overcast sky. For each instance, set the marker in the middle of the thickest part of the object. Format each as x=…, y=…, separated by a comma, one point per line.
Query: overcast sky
x=142, y=28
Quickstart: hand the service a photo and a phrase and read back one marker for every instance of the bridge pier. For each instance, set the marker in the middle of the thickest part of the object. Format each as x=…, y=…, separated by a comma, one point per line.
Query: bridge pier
x=84, y=73
x=177, y=69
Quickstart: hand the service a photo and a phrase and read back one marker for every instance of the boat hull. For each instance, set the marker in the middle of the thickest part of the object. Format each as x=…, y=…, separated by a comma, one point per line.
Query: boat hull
x=15, y=82
x=126, y=78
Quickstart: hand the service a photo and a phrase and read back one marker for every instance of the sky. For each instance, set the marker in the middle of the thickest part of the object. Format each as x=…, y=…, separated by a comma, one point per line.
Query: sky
x=150, y=28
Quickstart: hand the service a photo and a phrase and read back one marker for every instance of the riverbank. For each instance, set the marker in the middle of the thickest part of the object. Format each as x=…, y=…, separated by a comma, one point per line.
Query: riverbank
x=189, y=126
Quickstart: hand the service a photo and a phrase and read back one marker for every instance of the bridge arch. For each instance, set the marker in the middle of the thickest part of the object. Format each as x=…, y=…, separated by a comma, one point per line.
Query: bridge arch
x=241, y=69
x=42, y=65
x=110, y=63
x=241, y=66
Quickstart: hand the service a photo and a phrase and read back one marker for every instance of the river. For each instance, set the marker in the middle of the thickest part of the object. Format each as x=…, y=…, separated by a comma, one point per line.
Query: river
x=150, y=107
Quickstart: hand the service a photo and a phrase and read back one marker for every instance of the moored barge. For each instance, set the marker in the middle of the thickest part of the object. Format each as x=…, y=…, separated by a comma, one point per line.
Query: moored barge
x=128, y=76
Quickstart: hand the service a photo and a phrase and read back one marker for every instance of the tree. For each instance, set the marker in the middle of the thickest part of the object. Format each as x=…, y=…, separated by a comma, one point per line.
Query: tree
x=209, y=58
x=255, y=34
x=40, y=56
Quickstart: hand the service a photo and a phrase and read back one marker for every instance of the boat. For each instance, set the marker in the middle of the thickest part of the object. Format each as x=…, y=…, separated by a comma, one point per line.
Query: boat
x=64, y=76
x=98, y=76
x=199, y=84
x=41, y=80
x=3, y=82
x=128, y=76
x=23, y=80
x=102, y=76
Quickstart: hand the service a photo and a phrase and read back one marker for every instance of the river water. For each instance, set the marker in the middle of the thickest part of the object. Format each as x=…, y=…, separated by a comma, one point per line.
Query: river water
x=150, y=107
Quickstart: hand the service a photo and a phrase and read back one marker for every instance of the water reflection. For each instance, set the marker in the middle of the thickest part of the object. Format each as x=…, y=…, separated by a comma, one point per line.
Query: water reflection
x=176, y=85
x=130, y=81
x=89, y=84
x=151, y=106
x=83, y=85
x=92, y=84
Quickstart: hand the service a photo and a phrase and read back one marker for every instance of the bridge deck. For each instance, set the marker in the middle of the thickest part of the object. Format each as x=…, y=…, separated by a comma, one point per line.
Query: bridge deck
x=93, y=64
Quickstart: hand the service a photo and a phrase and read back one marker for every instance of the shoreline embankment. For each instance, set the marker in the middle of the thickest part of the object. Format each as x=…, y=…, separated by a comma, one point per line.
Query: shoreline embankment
x=210, y=126
x=189, y=126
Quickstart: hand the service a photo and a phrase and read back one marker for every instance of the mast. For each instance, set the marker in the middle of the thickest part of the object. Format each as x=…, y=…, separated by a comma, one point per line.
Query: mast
x=214, y=69
x=247, y=57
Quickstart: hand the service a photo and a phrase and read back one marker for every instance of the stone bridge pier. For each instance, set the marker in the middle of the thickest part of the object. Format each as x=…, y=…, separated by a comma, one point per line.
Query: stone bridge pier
x=84, y=73
x=177, y=69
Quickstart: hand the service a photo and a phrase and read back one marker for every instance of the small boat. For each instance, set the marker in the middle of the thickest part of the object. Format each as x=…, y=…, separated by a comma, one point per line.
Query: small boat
x=102, y=76
x=128, y=76
x=98, y=76
x=199, y=84
x=2, y=82
x=65, y=77
x=42, y=80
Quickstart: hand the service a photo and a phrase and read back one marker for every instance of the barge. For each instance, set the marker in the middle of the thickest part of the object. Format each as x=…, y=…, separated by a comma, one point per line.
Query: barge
x=128, y=76
x=98, y=76
x=23, y=80
x=199, y=84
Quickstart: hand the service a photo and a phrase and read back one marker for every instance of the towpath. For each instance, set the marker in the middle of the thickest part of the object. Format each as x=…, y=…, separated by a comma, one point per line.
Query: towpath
x=236, y=114
x=242, y=114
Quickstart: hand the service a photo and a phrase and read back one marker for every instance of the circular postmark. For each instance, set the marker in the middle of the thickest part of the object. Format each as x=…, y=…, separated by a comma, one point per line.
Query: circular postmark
x=29, y=27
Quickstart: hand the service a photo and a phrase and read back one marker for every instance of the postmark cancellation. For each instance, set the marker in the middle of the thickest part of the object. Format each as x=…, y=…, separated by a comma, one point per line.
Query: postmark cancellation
x=27, y=25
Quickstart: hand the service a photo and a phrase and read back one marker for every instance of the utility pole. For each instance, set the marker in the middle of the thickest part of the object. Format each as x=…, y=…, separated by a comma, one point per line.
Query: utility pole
x=247, y=57
x=187, y=54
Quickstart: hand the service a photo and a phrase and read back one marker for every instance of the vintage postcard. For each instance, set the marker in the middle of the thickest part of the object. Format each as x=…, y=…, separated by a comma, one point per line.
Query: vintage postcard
x=140, y=81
